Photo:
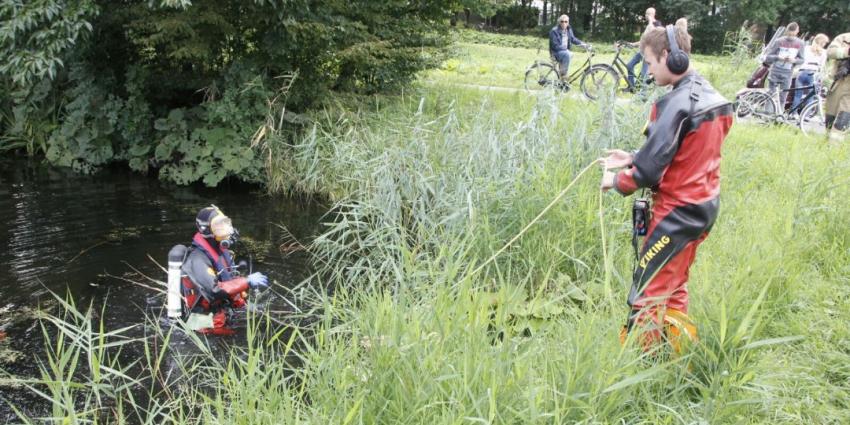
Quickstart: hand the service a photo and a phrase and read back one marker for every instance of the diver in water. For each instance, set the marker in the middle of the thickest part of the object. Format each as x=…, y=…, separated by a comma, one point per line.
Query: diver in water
x=211, y=284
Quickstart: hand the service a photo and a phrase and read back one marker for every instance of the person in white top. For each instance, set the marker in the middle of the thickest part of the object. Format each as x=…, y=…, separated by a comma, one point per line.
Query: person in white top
x=814, y=59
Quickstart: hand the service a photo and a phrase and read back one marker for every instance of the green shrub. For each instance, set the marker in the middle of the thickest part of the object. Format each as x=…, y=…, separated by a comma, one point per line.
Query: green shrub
x=505, y=40
x=516, y=17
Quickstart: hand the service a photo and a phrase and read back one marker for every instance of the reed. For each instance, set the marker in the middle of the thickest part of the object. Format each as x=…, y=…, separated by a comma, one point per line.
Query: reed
x=404, y=329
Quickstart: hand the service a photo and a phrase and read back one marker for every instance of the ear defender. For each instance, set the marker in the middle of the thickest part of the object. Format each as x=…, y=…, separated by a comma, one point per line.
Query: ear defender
x=677, y=60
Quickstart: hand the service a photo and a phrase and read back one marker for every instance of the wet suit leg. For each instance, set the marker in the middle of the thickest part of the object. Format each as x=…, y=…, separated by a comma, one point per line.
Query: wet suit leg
x=661, y=276
x=219, y=324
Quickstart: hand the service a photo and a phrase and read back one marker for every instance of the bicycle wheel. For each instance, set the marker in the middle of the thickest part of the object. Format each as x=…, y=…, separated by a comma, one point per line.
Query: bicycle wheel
x=541, y=75
x=599, y=80
x=812, y=121
x=740, y=106
x=756, y=104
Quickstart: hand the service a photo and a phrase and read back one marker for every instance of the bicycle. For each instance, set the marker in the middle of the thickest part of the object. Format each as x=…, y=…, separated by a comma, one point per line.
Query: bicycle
x=616, y=73
x=543, y=74
x=763, y=106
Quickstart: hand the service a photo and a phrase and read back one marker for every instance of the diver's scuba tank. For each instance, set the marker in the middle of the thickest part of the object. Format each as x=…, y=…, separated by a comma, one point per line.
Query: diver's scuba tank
x=175, y=298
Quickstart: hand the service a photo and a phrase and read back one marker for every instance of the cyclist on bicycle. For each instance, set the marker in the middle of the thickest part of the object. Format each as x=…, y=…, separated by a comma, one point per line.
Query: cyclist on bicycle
x=651, y=22
x=561, y=38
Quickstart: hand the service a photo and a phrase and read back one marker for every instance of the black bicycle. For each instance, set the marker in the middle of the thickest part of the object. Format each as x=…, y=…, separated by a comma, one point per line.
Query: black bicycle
x=614, y=76
x=596, y=79
x=543, y=74
x=763, y=106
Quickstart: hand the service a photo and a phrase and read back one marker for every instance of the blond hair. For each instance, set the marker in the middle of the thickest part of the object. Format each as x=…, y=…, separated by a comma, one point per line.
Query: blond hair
x=818, y=48
x=656, y=40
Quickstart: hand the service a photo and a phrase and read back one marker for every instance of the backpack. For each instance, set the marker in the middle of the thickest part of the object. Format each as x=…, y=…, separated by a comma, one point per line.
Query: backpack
x=757, y=80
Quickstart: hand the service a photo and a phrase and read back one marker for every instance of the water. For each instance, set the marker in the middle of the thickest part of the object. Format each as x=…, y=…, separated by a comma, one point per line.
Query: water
x=91, y=236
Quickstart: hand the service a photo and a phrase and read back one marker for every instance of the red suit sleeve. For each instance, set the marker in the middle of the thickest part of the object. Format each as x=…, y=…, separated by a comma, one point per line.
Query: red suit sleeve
x=624, y=182
x=234, y=286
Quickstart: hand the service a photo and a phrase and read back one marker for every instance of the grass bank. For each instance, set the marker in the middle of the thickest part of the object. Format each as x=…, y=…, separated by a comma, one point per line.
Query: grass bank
x=500, y=61
x=423, y=334
x=428, y=186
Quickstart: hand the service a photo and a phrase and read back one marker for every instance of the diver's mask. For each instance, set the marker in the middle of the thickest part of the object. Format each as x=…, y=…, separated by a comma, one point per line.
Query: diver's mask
x=222, y=229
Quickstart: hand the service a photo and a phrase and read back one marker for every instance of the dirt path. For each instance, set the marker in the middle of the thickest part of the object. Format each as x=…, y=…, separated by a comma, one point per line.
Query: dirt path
x=574, y=94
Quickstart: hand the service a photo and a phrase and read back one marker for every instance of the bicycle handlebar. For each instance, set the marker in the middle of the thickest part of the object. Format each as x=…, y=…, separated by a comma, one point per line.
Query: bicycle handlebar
x=620, y=44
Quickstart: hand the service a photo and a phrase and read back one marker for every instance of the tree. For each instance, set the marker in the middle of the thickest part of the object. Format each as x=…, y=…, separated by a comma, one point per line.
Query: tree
x=180, y=87
x=36, y=36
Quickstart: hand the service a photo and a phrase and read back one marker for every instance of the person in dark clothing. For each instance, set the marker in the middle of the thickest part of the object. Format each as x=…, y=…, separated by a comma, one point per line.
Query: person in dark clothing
x=680, y=164
x=561, y=38
x=211, y=284
x=651, y=22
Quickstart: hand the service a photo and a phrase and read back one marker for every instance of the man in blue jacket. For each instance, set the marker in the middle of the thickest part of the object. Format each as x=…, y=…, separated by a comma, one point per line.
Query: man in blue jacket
x=561, y=38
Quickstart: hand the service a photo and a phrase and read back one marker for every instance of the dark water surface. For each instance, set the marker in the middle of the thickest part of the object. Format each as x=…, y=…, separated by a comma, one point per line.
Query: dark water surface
x=70, y=233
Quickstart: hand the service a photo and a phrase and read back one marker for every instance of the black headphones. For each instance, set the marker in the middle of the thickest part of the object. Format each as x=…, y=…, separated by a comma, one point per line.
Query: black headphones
x=677, y=60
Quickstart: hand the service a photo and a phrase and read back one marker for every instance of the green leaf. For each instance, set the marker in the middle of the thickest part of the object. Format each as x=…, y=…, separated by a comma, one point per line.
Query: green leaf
x=773, y=341
x=213, y=178
x=163, y=152
x=139, y=149
x=161, y=125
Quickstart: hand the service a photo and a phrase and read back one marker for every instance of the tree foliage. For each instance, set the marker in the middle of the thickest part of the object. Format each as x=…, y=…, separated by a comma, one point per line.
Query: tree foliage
x=180, y=87
x=36, y=34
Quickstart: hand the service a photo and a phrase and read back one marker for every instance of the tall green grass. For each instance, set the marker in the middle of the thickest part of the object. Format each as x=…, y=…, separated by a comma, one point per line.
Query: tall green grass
x=422, y=335
x=427, y=187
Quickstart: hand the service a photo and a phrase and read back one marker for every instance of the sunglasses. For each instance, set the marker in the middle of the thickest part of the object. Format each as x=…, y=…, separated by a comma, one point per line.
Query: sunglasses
x=565, y=22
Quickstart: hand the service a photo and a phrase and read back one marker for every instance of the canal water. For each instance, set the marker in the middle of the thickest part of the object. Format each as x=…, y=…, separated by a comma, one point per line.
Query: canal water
x=93, y=237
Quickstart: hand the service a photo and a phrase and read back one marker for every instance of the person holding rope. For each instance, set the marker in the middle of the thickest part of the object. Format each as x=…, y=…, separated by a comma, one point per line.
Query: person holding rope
x=680, y=164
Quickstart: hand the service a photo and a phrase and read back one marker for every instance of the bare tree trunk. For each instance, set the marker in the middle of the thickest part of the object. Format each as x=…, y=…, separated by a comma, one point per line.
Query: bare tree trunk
x=593, y=13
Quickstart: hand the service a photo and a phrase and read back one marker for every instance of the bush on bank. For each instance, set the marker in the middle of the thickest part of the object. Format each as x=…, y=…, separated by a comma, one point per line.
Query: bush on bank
x=182, y=88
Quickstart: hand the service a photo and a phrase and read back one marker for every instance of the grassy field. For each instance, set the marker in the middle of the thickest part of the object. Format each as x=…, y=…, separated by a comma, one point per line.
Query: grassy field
x=421, y=327
x=501, y=60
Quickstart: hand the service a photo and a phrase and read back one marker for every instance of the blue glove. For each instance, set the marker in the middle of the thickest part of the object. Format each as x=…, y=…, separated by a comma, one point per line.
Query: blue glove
x=258, y=280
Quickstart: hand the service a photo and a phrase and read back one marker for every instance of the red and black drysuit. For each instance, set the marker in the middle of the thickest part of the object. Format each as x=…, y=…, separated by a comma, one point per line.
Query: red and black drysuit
x=209, y=284
x=680, y=163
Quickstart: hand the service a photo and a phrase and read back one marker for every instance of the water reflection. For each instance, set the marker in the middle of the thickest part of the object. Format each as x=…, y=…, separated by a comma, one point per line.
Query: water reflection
x=68, y=232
